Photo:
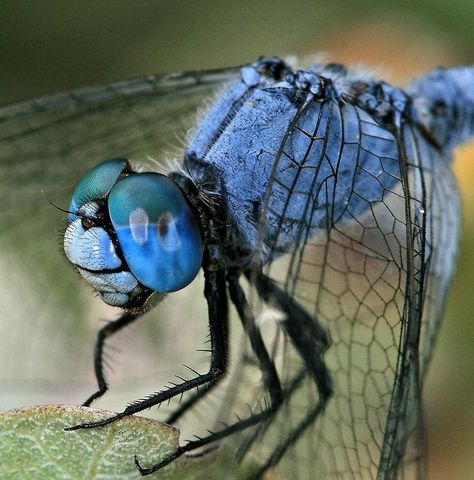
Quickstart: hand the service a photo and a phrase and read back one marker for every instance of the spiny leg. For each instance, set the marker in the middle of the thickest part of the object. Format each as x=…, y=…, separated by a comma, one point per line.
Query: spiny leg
x=215, y=294
x=265, y=362
x=293, y=386
x=105, y=332
x=293, y=436
x=189, y=403
x=310, y=340
x=202, y=391
x=269, y=375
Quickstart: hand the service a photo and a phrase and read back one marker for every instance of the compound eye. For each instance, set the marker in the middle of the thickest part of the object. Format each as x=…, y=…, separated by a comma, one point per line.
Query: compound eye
x=157, y=231
x=96, y=183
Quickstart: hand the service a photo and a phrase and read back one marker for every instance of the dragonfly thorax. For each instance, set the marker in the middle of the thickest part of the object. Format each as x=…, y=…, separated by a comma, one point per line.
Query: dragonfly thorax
x=283, y=149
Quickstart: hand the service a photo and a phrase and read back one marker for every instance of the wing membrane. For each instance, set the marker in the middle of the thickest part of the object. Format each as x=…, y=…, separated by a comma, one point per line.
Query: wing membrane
x=46, y=145
x=376, y=218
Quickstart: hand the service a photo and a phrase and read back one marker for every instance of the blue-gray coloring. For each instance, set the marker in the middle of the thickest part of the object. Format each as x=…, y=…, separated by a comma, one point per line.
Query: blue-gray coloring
x=322, y=193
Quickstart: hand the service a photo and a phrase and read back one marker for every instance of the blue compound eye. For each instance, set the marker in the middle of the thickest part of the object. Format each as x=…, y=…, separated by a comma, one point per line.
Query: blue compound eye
x=96, y=183
x=157, y=231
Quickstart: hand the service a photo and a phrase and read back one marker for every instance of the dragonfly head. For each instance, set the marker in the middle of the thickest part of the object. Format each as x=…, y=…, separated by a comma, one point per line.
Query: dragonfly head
x=132, y=234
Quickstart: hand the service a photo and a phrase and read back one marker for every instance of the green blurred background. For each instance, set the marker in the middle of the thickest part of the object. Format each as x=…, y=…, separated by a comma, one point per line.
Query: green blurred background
x=49, y=46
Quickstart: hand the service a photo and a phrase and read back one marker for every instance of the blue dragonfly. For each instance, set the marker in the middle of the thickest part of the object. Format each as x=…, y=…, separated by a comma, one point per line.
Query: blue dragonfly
x=318, y=203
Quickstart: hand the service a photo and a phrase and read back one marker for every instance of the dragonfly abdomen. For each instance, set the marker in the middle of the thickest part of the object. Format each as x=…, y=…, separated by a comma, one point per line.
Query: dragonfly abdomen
x=444, y=99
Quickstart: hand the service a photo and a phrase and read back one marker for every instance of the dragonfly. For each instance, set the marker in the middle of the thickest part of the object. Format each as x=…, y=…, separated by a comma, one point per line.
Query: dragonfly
x=318, y=208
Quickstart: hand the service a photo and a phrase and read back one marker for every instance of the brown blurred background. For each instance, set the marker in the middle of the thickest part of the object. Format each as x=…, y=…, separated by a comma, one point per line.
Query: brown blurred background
x=49, y=46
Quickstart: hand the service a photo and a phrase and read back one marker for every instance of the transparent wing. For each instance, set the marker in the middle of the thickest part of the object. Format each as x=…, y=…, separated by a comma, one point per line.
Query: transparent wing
x=376, y=217
x=46, y=145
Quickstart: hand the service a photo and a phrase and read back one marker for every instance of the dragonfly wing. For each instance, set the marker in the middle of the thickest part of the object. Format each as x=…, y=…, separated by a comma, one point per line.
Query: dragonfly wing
x=434, y=226
x=46, y=145
x=374, y=217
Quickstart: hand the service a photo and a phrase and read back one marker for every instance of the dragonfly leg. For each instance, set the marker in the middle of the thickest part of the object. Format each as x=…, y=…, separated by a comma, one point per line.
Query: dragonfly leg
x=267, y=366
x=105, y=332
x=265, y=362
x=293, y=386
x=269, y=375
x=215, y=293
x=310, y=340
x=200, y=392
x=189, y=403
x=293, y=436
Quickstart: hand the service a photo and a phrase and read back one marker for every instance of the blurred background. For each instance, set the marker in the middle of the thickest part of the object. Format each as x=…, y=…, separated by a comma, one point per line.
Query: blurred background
x=50, y=46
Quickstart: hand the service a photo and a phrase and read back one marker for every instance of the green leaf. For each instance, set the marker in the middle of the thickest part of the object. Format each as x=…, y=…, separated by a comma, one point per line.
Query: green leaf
x=34, y=445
